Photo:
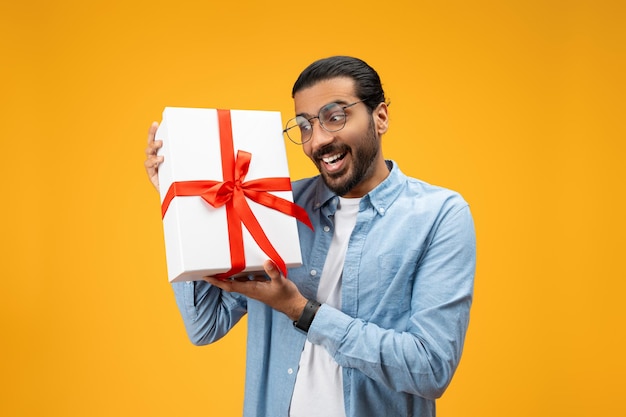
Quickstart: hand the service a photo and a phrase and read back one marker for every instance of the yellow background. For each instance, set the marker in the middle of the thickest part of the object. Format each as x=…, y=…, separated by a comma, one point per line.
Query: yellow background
x=517, y=105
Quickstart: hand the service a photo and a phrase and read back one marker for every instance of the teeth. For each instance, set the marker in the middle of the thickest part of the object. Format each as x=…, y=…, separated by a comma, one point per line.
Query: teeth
x=333, y=158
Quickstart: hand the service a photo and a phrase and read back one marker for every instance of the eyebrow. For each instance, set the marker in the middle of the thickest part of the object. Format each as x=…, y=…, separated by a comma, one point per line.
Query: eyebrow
x=341, y=102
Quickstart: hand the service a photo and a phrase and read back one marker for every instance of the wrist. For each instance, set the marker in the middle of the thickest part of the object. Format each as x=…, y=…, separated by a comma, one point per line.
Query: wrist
x=308, y=314
x=297, y=308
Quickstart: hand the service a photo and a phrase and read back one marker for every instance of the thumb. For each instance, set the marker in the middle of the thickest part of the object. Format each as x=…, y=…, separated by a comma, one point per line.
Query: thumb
x=271, y=270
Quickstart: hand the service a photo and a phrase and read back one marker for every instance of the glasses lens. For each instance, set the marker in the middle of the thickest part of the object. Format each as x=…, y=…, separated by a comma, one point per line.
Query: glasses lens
x=298, y=130
x=333, y=117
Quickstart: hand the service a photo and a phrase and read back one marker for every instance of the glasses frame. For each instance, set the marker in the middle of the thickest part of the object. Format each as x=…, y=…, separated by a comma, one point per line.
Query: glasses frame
x=343, y=108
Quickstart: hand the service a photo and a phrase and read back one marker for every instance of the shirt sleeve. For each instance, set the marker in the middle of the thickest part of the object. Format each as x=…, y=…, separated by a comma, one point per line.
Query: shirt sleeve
x=208, y=312
x=418, y=357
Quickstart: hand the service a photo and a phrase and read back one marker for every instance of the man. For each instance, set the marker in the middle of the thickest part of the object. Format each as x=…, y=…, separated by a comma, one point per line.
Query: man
x=373, y=322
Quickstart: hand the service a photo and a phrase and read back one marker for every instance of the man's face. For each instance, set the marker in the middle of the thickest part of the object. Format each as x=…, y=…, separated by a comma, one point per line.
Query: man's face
x=349, y=160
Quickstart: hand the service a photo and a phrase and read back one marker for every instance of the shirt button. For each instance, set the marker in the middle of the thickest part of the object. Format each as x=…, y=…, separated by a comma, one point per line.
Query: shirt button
x=381, y=210
x=326, y=228
x=313, y=272
x=290, y=371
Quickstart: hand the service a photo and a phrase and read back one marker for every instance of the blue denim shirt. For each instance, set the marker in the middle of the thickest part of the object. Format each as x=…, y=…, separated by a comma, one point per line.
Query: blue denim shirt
x=406, y=293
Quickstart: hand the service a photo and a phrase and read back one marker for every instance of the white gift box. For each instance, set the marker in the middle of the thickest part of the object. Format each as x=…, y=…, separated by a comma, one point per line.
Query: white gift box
x=197, y=241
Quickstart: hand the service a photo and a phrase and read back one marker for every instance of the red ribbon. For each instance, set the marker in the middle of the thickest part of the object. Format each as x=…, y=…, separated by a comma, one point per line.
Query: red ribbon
x=232, y=193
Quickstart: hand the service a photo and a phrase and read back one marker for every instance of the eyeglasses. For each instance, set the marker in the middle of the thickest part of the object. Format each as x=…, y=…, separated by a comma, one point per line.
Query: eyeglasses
x=332, y=118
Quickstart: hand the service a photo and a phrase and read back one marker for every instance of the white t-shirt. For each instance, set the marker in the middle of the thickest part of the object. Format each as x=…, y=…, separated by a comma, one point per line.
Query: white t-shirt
x=319, y=384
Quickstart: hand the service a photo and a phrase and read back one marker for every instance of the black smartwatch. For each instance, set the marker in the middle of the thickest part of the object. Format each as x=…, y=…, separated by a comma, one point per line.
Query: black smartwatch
x=308, y=314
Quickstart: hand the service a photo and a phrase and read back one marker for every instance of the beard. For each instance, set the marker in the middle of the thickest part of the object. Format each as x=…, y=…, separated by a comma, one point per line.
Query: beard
x=362, y=167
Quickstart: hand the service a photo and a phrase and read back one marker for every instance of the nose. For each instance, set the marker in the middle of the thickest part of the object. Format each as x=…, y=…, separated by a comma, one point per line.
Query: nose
x=319, y=136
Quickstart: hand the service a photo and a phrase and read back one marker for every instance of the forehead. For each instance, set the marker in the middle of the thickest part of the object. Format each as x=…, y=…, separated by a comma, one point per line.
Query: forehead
x=309, y=100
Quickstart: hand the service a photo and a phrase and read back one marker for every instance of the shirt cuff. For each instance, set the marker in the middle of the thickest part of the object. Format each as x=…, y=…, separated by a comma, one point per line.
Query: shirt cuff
x=329, y=328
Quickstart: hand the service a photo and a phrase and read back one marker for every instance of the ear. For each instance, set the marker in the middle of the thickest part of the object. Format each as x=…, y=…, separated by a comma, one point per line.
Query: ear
x=381, y=118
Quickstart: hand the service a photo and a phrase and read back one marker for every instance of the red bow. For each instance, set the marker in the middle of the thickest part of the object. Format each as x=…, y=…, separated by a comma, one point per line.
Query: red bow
x=232, y=193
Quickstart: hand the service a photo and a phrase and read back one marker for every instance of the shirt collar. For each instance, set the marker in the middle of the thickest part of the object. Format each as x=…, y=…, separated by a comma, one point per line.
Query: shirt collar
x=380, y=198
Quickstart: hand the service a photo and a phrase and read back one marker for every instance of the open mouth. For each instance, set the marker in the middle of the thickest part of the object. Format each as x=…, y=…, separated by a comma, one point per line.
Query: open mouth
x=333, y=164
x=333, y=159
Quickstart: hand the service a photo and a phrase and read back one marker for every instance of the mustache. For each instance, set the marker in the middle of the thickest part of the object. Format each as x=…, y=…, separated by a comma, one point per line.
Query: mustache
x=331, y=148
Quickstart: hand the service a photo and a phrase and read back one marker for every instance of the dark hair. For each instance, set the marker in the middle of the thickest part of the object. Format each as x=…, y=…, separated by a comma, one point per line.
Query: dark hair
x=366, y=80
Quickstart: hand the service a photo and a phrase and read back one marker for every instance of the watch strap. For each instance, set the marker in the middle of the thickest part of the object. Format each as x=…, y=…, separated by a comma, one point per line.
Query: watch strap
x=307, y=316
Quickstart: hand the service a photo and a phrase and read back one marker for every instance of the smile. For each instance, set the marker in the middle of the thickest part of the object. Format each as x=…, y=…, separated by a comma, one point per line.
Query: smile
x=334, y=158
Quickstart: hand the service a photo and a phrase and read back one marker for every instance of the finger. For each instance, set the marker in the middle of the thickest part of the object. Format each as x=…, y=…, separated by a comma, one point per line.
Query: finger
x=152, y=132
x=225, y=285
x=255, y=276
x=242, y=287
x=153, y=161
x=154, y=147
